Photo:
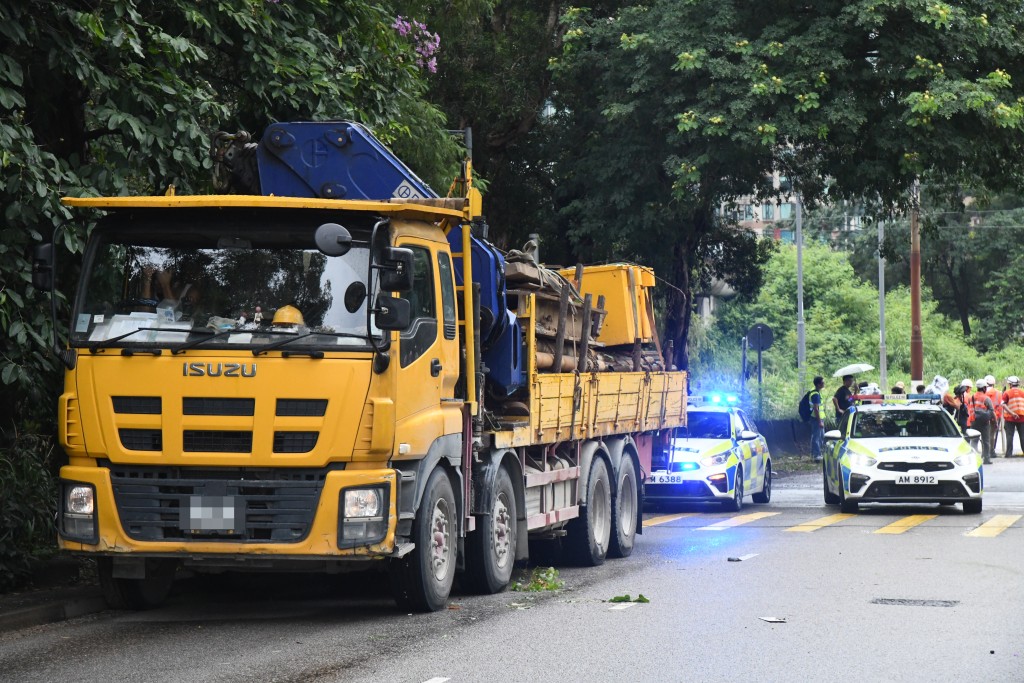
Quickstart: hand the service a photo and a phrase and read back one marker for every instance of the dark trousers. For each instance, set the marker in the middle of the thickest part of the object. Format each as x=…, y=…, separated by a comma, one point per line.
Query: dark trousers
x=986, y=438
x=1009, y=429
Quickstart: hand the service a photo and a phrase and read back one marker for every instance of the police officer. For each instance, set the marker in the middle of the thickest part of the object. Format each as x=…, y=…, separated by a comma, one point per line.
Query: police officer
x=1013, y=414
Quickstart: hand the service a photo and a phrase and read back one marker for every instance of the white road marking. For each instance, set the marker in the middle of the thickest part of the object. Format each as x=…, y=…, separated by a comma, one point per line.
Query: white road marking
x=622, y=605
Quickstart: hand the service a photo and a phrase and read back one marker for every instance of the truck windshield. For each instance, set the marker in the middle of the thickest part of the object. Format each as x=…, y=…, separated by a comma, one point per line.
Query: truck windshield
x=184, y=290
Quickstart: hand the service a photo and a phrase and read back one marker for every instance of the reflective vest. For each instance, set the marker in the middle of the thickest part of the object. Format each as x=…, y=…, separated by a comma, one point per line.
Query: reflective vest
x=978, y=402
x=969, y=402
x=997, y=401
x=1014, y=399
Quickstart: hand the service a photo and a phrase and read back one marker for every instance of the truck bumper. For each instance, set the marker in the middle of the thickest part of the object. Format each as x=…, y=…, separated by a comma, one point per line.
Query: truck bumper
x=158, y=517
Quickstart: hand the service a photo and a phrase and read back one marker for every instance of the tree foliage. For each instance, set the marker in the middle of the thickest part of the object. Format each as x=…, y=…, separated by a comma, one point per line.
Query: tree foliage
x=671, y=108
x=842, y=327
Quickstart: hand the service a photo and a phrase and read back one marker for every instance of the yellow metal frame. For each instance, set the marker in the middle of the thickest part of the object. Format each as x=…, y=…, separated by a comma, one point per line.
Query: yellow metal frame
x=401, y=210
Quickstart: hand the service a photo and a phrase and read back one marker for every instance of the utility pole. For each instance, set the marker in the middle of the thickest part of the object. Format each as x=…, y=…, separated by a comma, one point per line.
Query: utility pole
x=916, y=344
x=801, y=342
x=883, y=355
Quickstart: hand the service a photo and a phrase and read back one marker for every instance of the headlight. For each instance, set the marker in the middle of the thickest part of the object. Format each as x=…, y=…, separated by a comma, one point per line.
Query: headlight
x=80, y=500
x=861, y=460
x=362, y=503
x=964, y=459
x=78, y=513
x=364, y=516
x=719, y=459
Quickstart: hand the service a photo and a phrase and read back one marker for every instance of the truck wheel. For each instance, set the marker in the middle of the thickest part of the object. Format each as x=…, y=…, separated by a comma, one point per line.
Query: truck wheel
x=736, y=504
x=491, y=549
x=422, y=580
x=589, y=533
x=830, y=498
x=624, y=504
x=765, y=496
x=136, y=594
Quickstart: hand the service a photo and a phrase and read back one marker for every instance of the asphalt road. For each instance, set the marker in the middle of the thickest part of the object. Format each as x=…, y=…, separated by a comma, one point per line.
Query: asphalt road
x=895, y=593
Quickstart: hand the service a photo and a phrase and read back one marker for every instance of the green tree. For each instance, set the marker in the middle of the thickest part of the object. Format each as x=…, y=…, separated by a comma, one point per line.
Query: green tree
x=121, y=97
x=672, y=108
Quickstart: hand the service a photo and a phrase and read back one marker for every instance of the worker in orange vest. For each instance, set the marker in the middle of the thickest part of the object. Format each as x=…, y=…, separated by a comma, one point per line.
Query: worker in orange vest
x=984, y=417
x=996, y=397
x=965, y=413
x=1013, y=414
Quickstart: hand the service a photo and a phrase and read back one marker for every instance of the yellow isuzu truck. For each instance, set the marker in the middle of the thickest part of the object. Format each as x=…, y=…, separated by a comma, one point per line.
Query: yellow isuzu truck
x=309, y=378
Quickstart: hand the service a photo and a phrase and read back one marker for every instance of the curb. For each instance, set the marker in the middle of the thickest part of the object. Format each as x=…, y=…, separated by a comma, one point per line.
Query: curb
x=51, y=612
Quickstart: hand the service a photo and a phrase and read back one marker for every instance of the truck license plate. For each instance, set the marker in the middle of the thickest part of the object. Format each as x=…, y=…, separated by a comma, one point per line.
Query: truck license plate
x=916, y=479
x=213, y=514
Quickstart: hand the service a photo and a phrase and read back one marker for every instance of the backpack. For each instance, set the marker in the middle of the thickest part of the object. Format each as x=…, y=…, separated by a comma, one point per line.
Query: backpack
x=805, y=407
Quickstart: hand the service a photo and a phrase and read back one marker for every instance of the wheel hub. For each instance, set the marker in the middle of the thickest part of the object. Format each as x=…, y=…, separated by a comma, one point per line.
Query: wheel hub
x=440, y=543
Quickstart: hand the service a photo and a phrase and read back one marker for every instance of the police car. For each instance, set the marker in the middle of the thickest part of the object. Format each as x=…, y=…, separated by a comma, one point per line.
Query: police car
x=905, y=450
x=719, y=456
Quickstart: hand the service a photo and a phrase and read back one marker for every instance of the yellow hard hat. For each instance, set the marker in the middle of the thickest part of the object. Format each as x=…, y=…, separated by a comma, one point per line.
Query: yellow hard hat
x=288, y=315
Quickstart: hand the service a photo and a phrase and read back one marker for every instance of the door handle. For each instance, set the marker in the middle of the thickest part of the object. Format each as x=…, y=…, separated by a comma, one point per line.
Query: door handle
x=435, y=367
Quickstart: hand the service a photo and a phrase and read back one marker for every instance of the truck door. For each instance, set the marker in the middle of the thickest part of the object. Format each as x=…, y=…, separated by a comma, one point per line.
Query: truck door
x=427, y=351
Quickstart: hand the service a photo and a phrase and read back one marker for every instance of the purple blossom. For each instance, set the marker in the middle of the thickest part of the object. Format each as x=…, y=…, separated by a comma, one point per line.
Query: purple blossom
x=424, y=42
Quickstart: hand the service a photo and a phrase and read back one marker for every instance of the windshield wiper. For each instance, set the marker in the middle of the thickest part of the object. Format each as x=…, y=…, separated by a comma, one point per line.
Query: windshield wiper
x=106, y=343
x=284, y=342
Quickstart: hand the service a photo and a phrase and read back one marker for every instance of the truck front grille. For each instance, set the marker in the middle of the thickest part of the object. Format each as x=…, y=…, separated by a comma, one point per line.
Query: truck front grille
x=141, y=439
x=278, y=504
x=218, y=406
x=212, y=441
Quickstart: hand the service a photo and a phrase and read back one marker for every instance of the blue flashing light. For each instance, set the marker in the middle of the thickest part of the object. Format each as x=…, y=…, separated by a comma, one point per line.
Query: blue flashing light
x=719, y=399
x=689, y=466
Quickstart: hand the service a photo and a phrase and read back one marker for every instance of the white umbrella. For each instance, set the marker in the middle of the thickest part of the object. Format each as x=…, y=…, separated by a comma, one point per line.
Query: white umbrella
x=853, y=369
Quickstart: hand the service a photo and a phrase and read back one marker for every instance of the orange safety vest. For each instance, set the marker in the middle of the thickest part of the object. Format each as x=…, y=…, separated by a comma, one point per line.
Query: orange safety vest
x=978, y=402
x=997, y=401
x=1014, y=399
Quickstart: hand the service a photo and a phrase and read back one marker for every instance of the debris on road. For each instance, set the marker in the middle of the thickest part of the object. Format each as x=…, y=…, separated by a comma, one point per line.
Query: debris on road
x=773, y=620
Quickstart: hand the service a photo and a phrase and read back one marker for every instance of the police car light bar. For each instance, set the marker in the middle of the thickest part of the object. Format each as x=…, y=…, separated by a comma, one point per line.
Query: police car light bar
x=896, y=398
x=716, y=399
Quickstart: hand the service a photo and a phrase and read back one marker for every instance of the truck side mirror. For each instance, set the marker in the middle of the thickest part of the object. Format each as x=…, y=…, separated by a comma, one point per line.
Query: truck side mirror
x=392, y=313
x=42, y=267
x=396, y=270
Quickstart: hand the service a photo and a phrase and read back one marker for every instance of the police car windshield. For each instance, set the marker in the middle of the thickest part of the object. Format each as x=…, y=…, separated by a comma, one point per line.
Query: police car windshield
x=903, y=423
x=705, y=426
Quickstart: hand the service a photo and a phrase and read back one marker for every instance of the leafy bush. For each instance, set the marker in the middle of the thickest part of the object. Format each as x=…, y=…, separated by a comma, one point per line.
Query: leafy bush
x=27, y=507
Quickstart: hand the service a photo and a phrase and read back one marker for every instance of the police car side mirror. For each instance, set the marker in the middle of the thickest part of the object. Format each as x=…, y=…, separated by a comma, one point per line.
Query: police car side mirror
x=833, y=435
x=747, y=435
x=971, y=434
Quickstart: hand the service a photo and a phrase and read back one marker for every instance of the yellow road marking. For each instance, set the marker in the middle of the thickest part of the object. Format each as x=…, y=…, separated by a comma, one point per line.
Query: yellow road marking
x=737, y=521
x=819, y=523
x=655, y=521
x=901, y=525
x=995, y=526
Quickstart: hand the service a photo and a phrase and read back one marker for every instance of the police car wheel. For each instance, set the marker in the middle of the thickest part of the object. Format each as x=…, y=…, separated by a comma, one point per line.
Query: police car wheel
x=736, y=504
x=972, y=507
x=830, y=498
x=765, y=496
x=847, y=506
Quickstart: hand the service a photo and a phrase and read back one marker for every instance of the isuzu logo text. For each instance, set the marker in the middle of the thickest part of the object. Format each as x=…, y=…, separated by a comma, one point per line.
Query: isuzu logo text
x=218, y=369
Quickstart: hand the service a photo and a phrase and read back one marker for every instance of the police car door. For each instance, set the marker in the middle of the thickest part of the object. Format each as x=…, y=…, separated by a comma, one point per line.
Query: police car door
x=754, y=454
